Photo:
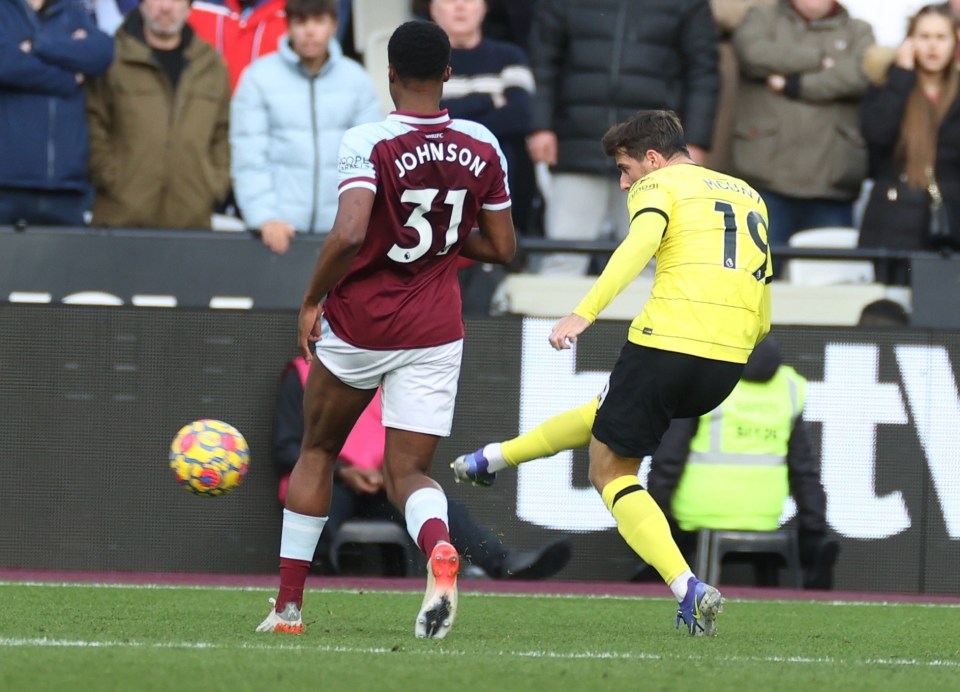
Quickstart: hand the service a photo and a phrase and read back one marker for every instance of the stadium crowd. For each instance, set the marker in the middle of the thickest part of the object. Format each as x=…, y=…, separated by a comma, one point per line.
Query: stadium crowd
x=129, y=114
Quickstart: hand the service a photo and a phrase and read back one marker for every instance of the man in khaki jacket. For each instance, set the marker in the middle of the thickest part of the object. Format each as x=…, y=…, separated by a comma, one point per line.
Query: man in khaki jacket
x=727, y=15
x=159, y=124
x=796, y=129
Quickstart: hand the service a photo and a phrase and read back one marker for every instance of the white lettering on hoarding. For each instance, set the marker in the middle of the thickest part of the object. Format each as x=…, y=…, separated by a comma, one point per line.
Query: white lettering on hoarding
x=850, y=403
x=932, y=395
x=551, y=385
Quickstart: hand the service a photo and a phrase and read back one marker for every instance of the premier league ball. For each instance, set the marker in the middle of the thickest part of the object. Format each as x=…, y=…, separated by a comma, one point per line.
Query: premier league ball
x=209, y=457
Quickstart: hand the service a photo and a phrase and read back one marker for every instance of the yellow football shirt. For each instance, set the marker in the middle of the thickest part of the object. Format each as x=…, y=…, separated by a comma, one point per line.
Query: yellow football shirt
x=710, y=295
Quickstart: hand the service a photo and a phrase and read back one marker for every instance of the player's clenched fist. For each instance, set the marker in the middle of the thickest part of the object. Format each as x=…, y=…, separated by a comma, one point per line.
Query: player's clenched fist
x=566, y=331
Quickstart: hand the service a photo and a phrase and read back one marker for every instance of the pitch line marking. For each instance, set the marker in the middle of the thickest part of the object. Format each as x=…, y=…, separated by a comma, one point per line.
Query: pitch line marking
x=38, y=642
x=468, y=594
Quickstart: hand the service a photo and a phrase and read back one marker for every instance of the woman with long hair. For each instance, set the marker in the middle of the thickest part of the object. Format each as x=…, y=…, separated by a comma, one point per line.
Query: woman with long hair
x=911, y=123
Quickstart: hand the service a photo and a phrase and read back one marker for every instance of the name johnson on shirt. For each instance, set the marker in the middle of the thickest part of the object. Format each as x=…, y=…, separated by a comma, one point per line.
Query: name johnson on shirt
x=439, y=151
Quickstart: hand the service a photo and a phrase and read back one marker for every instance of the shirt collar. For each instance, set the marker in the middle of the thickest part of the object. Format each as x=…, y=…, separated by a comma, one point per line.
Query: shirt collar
x=421, y=119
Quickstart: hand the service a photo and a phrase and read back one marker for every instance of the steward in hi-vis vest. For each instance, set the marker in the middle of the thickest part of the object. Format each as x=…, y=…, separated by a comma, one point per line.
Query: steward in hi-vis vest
x=736, y=474
x=734, y=467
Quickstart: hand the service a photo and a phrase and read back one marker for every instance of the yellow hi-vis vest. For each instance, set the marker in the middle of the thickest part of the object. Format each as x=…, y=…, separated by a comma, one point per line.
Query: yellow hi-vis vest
x=736, y=474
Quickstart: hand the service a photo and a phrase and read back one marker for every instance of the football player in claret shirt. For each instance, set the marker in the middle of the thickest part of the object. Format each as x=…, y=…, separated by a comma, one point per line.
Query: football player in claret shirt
x=416, y=191
x=708, y=308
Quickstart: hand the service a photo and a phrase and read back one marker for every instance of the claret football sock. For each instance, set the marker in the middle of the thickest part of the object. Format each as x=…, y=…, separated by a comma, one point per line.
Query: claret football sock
x=293, y=577
x=298, y=542
x=644, y=527
x=426, y=517
x=568, y=430
x=432, y=532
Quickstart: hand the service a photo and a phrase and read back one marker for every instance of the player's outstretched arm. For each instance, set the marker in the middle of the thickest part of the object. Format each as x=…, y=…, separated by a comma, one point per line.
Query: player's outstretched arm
x=495, y=241
x=626, y=263
x=340, y=247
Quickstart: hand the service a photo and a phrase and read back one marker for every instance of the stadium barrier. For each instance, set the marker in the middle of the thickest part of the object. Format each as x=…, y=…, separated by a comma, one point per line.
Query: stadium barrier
x=152, y=268
x=199, y=269
x=91, y=396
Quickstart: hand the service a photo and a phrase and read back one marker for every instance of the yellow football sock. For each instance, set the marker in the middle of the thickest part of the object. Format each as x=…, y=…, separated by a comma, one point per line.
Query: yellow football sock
x=568, y=430
x=644, y=527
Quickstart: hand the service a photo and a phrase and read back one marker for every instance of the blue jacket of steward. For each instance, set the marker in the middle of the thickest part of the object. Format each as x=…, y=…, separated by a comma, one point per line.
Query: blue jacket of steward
x=43, y=128
x=285, y=132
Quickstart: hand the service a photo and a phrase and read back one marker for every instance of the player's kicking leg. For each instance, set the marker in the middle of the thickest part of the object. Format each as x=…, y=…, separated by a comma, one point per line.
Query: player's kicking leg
x=408, y=458
x=568, y=430
x=330, y=411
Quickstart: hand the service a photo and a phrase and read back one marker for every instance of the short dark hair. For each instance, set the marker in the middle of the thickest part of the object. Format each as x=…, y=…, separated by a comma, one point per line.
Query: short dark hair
x=884, y=313
x=301, y=9
x=419, y=51
x=658, y=130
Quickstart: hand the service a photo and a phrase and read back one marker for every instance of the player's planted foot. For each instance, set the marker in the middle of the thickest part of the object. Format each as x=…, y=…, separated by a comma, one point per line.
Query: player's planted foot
x=440, y=600
x=699, y=609
x=287, y=621
x=473, y=468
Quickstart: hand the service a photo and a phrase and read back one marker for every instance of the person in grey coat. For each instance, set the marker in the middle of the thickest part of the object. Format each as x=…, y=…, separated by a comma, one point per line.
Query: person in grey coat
x=796, y=128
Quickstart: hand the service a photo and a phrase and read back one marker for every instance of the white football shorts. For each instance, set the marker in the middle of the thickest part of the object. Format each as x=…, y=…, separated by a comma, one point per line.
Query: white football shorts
x=419, y=385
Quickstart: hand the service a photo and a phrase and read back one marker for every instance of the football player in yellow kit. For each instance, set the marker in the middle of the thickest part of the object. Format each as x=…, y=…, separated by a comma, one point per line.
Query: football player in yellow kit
x=709, y=306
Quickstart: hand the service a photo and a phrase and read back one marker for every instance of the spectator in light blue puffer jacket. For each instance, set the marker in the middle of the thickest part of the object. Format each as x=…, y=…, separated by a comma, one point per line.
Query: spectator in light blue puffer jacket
x=287, y=118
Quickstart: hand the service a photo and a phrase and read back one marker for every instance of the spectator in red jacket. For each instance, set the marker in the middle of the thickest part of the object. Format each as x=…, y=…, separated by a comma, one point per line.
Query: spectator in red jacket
x=240, y=30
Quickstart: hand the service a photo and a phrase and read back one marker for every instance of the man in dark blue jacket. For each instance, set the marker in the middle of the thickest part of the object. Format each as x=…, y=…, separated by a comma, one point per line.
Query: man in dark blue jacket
x=596, y=62
x=48, y=48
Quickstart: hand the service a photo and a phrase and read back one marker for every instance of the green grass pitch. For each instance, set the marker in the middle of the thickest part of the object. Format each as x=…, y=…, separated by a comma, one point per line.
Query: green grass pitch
x=89, y=637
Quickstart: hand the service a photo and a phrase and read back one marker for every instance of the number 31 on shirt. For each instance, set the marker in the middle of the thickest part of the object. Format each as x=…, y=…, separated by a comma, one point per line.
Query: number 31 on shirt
x=418, y=222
